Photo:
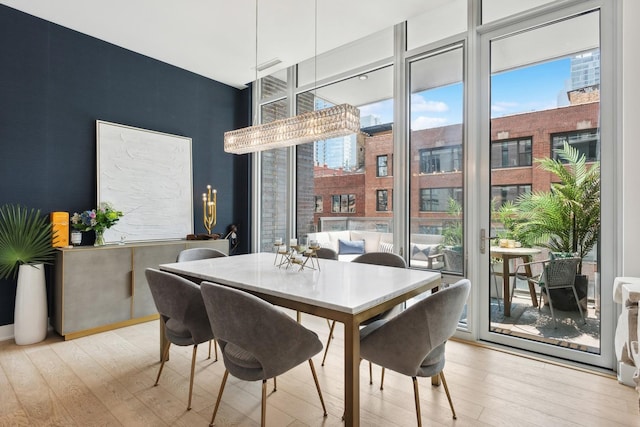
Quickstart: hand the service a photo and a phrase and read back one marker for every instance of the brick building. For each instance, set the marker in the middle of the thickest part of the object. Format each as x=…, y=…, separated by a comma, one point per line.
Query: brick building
x=437, y=161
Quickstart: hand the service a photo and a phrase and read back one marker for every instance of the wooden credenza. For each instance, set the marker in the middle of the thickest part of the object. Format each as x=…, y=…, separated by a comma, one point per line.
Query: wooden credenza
x=101, y=288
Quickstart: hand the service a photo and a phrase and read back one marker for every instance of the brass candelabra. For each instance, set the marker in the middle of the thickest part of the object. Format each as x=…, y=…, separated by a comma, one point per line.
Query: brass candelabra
x=209, y=208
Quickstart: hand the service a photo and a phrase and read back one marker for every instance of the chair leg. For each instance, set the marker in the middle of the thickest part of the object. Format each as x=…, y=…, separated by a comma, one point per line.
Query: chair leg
x=326, y=348
x=370, y=373
x=263, y=407
x=382, y=379
x=446, y=390
x=329, y=325
x=315, y=379
x=575, y=294
x=275, y=384
x=165, y=354
x=209, y=355
x=495, y=285
x=215, y=410
x=215, y=349
x=555, y=324
x=193, y=368
x=416, y=395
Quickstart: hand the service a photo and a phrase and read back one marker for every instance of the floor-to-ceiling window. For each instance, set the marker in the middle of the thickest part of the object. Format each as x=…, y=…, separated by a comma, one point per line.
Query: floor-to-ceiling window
x=424, y=179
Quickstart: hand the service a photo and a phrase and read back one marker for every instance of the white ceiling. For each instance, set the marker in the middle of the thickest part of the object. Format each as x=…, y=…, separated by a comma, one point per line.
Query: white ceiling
x=217, y=38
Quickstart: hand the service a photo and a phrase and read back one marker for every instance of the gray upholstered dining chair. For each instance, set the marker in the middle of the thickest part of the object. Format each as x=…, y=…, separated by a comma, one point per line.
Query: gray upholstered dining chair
x=376, y=258
x=194, y=254
x=326, y=253
x=413, y=342
x=257, y=340
x=180, y=305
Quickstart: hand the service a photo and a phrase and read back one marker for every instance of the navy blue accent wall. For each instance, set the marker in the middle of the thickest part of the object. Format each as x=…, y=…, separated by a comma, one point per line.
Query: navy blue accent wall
x=55, y=83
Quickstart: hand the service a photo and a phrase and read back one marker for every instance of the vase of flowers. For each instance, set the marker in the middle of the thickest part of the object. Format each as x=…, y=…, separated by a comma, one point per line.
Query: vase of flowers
x=98, y=220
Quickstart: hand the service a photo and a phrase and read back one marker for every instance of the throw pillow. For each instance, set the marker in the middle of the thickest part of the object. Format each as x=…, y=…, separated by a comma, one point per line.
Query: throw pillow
x=348, y=247
x=386, y=247
x=420, y=252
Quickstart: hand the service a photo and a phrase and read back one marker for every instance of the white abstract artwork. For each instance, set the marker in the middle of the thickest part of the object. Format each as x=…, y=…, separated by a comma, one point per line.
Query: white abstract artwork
x=146, y=175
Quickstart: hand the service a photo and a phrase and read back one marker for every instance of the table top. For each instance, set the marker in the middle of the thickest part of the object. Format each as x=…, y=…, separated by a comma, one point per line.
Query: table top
x=497, y=250
x=341, y=286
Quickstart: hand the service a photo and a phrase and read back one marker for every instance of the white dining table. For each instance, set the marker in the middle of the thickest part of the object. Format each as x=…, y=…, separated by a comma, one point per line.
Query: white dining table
x=347, y=292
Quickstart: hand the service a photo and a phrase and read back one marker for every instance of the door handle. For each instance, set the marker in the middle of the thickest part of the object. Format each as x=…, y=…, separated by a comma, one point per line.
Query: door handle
x=483, y=240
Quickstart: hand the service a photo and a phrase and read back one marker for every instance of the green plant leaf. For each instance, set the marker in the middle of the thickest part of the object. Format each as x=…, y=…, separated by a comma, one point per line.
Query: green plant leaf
x=25, y=238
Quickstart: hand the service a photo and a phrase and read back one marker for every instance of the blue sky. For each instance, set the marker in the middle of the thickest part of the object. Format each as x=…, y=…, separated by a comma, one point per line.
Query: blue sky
x=533, y=88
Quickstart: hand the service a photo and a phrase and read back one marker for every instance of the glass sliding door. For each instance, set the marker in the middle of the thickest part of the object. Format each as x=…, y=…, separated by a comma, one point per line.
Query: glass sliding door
x=544, y=159
x=436, y=219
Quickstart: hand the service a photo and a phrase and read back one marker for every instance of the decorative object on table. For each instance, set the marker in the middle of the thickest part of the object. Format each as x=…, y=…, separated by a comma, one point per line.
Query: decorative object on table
x=209, y=208
x=60, y=229
x=296, y=254
x=25, y=246
x=98, y=220
x=76, y=237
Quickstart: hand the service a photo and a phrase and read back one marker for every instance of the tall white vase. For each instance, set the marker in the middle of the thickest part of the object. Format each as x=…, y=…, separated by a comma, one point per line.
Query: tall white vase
x=30, y=316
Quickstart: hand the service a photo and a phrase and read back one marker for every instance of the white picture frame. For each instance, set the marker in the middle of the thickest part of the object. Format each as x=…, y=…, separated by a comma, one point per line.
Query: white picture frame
x=148, y=176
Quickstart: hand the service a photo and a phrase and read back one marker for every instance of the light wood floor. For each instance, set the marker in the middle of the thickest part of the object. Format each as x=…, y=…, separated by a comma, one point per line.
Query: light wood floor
x=107, y=379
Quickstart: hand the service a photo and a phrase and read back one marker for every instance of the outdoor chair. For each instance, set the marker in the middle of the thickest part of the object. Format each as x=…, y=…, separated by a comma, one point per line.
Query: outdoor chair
x=194, y=254
x=257, y=340
x=184, y=316
x=555, y=274
x=413, y=342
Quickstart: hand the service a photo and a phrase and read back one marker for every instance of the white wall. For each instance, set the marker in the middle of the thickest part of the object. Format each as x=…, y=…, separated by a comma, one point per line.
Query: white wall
x=631, y=138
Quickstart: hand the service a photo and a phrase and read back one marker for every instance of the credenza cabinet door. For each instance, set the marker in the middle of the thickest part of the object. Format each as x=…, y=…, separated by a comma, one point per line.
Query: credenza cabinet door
x=96, y=288
x=149, y=257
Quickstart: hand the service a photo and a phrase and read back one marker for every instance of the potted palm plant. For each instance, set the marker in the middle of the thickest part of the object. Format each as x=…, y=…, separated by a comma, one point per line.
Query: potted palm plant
x=25, y=246
x=565, y=219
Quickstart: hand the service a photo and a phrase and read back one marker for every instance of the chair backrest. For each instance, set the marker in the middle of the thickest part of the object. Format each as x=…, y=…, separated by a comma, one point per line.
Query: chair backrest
x=193, y=254
x=381, y=258
x=273, y=338
x=180, y=300
x=404, y=341
x=561, y=272
x=453, y=260
x=326, y=253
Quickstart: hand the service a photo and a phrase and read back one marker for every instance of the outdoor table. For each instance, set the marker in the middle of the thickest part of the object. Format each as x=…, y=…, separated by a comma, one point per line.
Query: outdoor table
x=508, y=254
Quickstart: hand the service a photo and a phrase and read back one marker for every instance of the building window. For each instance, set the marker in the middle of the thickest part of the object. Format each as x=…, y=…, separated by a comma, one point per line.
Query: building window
x=343, y=203
x=318, y=200
x=511, y=153
x=382, y=169
x=585, y=141
x=382, y=200
x=443, y=159
x=437, y=199
x=501, y=194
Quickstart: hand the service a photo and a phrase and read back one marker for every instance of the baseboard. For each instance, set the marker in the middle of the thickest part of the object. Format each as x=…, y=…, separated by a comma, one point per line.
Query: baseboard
x=6, y=332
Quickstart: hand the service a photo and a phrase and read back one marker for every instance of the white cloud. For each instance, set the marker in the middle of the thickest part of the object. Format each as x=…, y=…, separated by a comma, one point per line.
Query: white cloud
x=425, y=122
x=421, y=105
x=503, y=106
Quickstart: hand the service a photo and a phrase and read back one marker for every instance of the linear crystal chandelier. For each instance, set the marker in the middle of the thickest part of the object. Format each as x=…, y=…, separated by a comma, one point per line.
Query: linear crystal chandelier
x=332, y=122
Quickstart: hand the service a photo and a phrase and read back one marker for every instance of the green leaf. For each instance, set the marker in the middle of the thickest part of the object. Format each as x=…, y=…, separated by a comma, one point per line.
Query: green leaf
x=25, y=238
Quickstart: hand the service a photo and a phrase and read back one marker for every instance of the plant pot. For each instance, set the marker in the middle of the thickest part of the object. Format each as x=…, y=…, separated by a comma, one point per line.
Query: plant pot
x=30, y=315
